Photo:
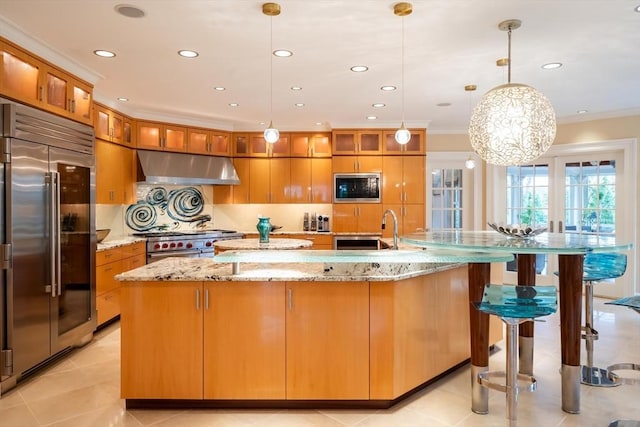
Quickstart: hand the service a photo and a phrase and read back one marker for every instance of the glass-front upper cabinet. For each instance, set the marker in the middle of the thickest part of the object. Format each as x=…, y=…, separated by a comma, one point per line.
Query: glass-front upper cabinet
x=357, y=142
x=416, y=145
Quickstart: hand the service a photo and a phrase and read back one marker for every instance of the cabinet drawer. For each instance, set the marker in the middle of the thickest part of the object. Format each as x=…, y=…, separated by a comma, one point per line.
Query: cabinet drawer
x=319, y=240
x=104, y=276
x=134, y=249
x=134, y=262
x=108, y=305
x=110, y=255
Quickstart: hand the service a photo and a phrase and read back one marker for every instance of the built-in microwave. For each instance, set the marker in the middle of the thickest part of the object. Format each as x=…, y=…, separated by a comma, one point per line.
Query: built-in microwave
x=356, y=188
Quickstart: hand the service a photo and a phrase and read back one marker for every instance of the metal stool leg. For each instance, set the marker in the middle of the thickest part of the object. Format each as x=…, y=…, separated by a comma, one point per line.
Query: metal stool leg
x=512, y=371
x=592, y=375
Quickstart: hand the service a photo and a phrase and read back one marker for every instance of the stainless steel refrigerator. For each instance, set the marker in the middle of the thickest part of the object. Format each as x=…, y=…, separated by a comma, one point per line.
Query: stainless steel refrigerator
x=48, y=239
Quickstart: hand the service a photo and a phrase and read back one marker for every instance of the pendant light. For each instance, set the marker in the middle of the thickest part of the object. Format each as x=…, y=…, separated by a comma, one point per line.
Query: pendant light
x=513, y=124
x=403, y=135
x=271, y=134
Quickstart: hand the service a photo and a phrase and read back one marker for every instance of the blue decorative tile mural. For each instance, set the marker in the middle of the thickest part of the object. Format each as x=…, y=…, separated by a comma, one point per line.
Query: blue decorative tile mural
x=159, y=208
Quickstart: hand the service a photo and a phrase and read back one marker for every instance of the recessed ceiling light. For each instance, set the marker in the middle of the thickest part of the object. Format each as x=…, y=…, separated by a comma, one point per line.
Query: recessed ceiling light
x=378, y=105
x=262, y=123
x=371, y=117
x=299, y=104
x=582, y=111
x=444, y=104
x=234, y=104
x=123, y=99
x=637, y=8
x=282, y=53
x=104, y=53
x=188, y=53
x=552, y=65
x=219, y=88
x=296, y=88
x=359, y=68
x=318, y=123
x=129, y=11
x=388, y=88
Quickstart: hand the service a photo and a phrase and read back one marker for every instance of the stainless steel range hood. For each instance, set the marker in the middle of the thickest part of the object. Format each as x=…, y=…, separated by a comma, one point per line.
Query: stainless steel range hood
x=159, y=167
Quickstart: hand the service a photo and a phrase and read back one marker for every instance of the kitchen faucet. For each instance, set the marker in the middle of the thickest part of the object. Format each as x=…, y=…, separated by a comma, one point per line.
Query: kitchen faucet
x=395, y=226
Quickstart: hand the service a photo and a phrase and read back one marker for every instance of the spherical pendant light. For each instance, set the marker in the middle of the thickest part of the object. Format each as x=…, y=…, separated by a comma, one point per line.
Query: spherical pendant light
x=271, y=134
x=403, y=135
x=513, y=124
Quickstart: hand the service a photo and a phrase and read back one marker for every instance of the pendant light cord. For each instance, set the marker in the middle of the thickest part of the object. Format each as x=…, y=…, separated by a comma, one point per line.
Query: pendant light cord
x=271, y=70
x=402, y=70
x=509, y=58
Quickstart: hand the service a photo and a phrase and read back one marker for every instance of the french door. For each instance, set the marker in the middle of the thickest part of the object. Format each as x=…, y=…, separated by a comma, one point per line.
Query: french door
x=580, y=192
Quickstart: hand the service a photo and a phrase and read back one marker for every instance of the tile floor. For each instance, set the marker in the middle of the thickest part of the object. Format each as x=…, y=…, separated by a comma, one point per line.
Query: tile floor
x=83, y=390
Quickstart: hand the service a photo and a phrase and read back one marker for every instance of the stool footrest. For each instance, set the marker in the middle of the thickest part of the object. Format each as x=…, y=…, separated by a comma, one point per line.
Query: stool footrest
x=623, y=367
x=597, y=377
x=525, y=382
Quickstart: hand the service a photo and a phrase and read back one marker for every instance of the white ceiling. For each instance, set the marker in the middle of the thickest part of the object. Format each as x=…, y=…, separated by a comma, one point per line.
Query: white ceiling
x=448, y=44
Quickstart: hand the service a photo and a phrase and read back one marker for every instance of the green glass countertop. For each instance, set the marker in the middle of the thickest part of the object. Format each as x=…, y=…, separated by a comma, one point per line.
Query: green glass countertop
x=558, y=243
x=358, y=256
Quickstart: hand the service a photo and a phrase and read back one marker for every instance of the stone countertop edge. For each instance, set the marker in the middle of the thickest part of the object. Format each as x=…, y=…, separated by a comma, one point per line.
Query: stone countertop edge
x=118, y=242
x=202, y=269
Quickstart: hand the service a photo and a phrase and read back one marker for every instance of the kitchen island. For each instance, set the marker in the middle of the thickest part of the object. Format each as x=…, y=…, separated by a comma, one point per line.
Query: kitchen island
x=294, y=328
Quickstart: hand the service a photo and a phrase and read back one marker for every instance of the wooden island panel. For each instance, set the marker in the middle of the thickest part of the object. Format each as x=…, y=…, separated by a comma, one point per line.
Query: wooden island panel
x=161, y=335
x=244, y=340
x=328, y=340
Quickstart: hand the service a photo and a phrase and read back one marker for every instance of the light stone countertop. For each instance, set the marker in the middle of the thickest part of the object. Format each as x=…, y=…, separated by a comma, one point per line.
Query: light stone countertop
x=116, y=242
x=254, y=244
x=205, y=269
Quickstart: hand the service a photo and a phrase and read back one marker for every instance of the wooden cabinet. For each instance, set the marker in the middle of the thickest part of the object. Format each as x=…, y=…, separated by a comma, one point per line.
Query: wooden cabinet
x=311, y=180
x=27, y=78
x=269, y=180
x=110, y=125
x=162, y=340
x=210, y=142
x=254, y=145
x=357, y=217
x=249, y=364
x=320, y=241
x=310, y=145
x=109, y=263
x=348, y=164
x=362, y=142
x=335, y=363
x=240, y=192
x=416, y=145
x=115, y=173
x=161, y=136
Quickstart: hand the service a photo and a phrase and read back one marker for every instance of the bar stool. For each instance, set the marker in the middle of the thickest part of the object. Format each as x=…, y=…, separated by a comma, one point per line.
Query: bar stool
x=514, y=304
x=634, y=304
x=597, y=267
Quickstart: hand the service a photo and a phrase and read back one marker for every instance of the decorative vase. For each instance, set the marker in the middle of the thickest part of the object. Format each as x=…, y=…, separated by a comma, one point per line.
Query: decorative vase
x=264, y=227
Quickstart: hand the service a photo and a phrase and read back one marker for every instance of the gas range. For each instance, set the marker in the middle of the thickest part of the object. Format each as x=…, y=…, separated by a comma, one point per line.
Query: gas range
x=191, y=243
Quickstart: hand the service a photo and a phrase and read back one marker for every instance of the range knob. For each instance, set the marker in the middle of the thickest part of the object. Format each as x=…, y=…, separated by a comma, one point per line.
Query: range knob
x=156, y=246
x=189, y=245
x=165, y=246
x=172, y=245
x=208, y=244
x=180, y=244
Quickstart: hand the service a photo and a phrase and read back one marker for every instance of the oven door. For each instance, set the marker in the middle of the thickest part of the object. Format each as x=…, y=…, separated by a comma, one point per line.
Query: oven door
x=157, y=256
x=356, y=242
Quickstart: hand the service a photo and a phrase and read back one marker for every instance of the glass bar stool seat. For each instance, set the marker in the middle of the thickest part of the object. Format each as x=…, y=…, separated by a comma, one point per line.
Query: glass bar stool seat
x=514, y=304
x=597, y=267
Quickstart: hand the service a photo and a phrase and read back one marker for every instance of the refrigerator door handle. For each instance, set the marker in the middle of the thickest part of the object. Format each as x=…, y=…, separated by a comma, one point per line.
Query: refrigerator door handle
x=54, y=238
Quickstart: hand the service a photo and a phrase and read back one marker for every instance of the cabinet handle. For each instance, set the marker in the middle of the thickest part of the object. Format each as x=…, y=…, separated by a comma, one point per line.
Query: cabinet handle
x=73, y=105
x=559, y=226
x=41, y=94
x=206, y=299
x=197, y=299
x=290, y=299
x=550, y=226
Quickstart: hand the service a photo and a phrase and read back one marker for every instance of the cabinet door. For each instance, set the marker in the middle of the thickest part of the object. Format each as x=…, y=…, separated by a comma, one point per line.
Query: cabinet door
x=320, y=144
x=20, y=75
x=280, y=180
x=369, y=163
x=335, y=363
x=259, y=187
x=258, y=147
x=344, y=164
x=149, y=136
x=220, y=144
x=102, y=124
x=55, y=90
x=241, y=192
x=162, y=356
x=80, y=106
x=301, y=176
x=240, y=143
x=369, y=142
x=300, y=145
x=244, y=340
x=105, y=281
x=109, y=176
x=344, y=142
x=388, y=230
x=321, y=181
x=413, y=179
x=345, y=217
x=198, y=141
x=280, y=148
x=369, y=217
x=392, y=179
x=175, y=138
x=128, y=132
x=416, y=144
x=413, y=218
